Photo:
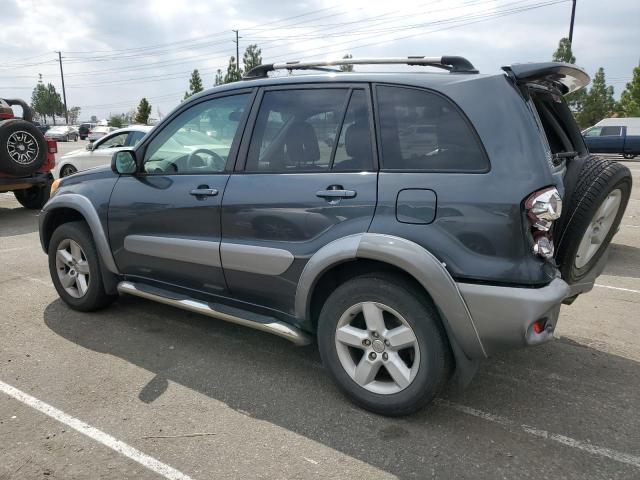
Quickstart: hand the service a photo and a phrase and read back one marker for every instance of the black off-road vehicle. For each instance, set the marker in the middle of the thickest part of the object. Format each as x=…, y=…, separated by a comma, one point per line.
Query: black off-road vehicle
x=26, y=158
x=413, y=223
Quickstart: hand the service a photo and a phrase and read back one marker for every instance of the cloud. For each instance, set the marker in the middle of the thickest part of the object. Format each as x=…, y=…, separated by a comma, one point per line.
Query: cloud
x=109, y=65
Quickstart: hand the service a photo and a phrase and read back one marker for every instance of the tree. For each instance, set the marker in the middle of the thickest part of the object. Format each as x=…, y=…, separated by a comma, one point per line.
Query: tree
x=233, y=74
x=195, y=84
x=252, y=57
x=74, y=114
x=346, y=68
x=598, y=102
x=629, y=104
x=564, y=53
x=116, y=121
x=45, y=101
x=219, y=78
x=144, y=110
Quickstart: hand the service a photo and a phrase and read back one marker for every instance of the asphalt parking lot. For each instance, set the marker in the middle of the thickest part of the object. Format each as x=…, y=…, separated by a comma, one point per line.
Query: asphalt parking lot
x=204, y=399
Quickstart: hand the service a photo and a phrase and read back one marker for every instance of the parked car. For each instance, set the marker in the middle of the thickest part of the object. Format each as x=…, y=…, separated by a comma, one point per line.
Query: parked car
x=43, y=128
x=615, y=135
x=409, y=258
x=85, y=129
x=100, y=152
x=99, y=132
x=26, y=158
x=62, y=133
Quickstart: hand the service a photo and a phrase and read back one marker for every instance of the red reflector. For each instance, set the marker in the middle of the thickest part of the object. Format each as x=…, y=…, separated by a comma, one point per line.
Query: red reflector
x=6, y=116
x=538, y=326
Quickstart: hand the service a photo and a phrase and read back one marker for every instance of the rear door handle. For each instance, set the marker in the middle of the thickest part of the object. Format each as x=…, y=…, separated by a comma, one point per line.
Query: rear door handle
x=201, y=192
x=335, y=194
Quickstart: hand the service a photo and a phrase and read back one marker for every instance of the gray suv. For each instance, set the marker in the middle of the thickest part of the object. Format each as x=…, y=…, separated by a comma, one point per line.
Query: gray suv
x=411, y=223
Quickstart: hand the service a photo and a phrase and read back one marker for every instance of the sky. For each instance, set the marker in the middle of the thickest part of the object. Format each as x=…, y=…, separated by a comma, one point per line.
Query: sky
x=116, y=52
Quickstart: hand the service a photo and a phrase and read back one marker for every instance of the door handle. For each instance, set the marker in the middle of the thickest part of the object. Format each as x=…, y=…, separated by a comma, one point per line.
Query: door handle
x=203, y=191
x=336, y=194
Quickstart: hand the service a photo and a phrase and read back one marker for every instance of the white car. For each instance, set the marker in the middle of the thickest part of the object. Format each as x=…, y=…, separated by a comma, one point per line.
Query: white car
x=99, y=132
x=99, y=152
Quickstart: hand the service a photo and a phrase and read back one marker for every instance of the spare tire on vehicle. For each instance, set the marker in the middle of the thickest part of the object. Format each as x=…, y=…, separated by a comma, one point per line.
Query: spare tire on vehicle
x=23, y=148
x=594, y=209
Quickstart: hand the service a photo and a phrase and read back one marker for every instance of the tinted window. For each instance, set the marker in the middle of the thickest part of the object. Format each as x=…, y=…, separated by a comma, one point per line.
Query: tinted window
x=119, y=140
x=353, y=151
x=295, y=130
x=423, y=131
x=135, y=137
x=611, y=131
x=593, y=132
x=199, y=139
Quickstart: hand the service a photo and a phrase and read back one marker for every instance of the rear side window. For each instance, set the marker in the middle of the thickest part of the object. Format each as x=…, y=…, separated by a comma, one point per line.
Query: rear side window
x=611, y=131
x=422, y=131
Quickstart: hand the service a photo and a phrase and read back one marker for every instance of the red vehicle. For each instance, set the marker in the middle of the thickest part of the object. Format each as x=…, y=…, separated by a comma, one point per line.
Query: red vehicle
x=26, y=158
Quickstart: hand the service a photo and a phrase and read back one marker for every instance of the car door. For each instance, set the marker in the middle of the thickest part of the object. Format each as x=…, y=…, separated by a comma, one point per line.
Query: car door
x=164, y=223
x=307, y=177
x=610, y=140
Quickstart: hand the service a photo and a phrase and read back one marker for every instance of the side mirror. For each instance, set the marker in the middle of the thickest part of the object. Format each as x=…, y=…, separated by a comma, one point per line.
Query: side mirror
x=89, y=146
x=235, y=116
x=124, y=162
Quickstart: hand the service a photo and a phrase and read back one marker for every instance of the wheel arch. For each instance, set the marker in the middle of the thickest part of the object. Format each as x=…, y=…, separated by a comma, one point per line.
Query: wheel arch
x=349, y=256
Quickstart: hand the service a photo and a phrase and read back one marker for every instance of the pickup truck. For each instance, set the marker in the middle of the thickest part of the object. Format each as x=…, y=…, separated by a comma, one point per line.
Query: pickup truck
x=614, y=138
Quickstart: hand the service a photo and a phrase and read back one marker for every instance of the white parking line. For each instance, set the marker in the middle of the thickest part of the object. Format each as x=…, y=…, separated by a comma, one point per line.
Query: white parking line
x=536, y=432
x=98, y=435
x=618, y=288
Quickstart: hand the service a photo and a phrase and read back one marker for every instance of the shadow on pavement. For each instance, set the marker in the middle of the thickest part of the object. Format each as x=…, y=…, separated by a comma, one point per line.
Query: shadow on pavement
x=562, y=387
x=17, y=221
x=624, y=261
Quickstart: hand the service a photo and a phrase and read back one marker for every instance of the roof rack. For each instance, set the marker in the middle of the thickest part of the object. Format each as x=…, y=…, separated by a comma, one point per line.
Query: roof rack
x=451, y=63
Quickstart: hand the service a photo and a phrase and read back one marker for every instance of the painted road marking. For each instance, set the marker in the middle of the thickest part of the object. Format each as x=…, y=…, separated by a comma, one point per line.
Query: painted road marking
x=98, y=435
x=536, y=432
x=618, y=288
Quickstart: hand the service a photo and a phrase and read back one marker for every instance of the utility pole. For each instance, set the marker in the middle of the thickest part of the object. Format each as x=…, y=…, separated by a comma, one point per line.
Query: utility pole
x=64, y=92
x=237, y=50
x=573, y=16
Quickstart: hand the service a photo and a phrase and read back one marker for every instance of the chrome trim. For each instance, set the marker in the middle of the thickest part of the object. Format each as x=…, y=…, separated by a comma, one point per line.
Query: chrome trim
x=202, y=252
x=255, y=259
x=278, y=328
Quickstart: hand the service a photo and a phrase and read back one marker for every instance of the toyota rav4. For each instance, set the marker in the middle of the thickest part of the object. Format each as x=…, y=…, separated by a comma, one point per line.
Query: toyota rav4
x=411, y=223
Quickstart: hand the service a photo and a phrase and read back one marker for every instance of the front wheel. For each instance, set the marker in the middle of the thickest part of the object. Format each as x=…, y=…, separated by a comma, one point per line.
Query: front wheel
x=74, y=266
x=382, y=342
x=67, y=170
x=33, y=198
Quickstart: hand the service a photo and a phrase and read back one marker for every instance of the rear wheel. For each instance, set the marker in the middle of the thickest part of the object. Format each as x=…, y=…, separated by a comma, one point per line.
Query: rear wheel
x=33, y=198
x=74, y=266
x=628, y=156
x=382, y=342
x=595, y=210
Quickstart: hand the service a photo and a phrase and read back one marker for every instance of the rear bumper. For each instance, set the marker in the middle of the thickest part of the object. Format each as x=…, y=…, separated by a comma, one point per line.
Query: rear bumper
x=504, y=316
x=8, y=184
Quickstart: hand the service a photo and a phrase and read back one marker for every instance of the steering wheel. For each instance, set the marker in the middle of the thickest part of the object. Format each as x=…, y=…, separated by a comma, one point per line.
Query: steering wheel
x=217, y=159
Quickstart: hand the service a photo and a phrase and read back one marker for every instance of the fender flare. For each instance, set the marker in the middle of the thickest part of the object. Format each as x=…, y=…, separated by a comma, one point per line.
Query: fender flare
x=413, y=259
x=82, y=205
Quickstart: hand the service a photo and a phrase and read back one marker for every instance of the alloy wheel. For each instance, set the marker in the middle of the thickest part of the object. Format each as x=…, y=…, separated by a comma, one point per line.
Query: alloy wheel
x=73, y=268
x=598, y=228
x=377, y=348
x=22, y=147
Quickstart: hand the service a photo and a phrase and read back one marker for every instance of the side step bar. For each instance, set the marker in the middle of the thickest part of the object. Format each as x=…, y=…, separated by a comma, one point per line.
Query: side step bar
x=261, y=322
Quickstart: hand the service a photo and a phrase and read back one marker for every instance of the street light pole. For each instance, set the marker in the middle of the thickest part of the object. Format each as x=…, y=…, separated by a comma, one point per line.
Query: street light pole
x=237, y=50
x=573, y=16
x=64, y=92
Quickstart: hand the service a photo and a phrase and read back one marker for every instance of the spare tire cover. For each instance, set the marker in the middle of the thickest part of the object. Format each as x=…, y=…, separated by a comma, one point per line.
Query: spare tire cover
x=592, y=215
x=23, y=148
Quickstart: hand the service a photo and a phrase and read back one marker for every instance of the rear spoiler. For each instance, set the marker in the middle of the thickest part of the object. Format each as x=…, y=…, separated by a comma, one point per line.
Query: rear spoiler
x=564, y=77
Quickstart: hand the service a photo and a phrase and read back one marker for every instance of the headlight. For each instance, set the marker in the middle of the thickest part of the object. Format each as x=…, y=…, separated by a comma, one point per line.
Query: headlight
x=54, y=187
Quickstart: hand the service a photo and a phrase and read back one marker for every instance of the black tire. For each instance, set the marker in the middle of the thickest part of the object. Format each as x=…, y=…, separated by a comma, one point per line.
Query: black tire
x=23, y=148
x=95, y=298
x=629, y=156
x=67, y=170
x=597, y=179
x=75, y=139
x=409, y=301
x=82, y=138
x=33, y=198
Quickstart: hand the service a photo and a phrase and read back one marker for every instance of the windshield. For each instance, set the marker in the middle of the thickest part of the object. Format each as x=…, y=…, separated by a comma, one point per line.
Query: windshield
x=101, y=130
x=57, y=129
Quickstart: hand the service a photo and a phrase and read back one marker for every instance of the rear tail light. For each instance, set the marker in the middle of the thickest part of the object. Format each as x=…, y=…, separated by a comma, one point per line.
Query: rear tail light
x=5, y=115
x=543, y=208
x=52, y=146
